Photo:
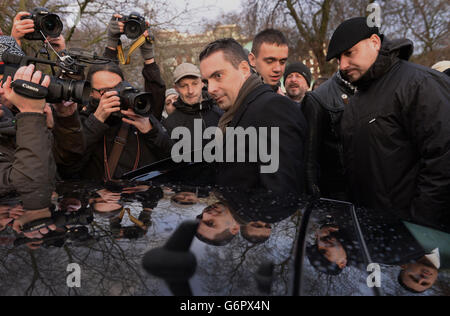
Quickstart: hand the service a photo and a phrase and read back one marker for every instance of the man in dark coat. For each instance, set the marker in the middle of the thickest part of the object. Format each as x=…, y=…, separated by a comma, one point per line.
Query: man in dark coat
x=249, y=104
x=193, y=103
x=396, y=129
x=323, y=110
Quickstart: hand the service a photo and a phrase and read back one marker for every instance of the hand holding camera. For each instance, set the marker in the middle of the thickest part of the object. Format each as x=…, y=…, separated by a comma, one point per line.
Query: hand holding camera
x=22, y=27
x=25, y=104
x=114, y=31
x=132, y=26
x=37, y=25
x=58, y=43
x=109, y=104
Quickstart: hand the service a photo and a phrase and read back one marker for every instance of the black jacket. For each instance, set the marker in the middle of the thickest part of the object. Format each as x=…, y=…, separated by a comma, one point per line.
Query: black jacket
x=184, y=115
x=100, y=137
x=264, y=108
x=323, y=110
x=396, y=134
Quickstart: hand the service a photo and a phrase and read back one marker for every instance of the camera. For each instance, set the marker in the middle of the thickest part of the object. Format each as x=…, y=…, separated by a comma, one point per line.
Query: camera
x=59, y=89
x=131, y=98
x=135, y=25
x=44, y=21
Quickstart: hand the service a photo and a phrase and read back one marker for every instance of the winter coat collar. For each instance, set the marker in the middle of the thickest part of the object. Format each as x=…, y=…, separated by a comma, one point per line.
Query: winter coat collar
x=206, y=104
x=391, y=52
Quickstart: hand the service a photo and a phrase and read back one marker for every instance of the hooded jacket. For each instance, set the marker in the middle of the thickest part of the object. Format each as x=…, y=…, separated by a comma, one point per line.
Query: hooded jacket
x=396, y=136
x=323, y=110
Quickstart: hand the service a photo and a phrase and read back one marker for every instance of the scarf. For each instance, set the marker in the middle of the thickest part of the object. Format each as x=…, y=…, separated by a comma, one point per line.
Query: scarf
x=253, y=82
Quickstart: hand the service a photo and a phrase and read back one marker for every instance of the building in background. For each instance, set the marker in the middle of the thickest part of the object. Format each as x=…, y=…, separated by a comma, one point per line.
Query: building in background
x=174, y=48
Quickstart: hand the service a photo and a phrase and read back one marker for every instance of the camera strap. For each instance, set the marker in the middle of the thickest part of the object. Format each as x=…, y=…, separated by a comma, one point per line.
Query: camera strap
x=139, y=42
x=119, y=145
x=29, y=90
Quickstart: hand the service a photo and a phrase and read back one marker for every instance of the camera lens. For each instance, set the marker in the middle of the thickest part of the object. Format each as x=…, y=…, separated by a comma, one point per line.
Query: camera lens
x=133, y=30
x=68, y=90
x=142, y=104
x=51, y=25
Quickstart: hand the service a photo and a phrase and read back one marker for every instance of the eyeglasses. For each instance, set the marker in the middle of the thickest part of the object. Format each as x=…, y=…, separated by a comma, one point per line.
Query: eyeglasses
x=103, y=90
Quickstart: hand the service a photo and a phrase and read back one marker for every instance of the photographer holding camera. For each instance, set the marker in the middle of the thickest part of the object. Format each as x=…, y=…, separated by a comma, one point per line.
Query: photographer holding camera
x=121, y=126
x=118, y=139
x=69, y=143
x=26, y=160
x=151, y=72
x=32, y=26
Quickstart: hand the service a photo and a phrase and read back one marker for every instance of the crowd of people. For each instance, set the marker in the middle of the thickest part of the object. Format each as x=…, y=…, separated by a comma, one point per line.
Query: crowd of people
x=377, y=133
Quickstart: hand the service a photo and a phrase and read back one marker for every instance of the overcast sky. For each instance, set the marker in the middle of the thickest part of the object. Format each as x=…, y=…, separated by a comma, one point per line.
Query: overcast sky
x=211, y=8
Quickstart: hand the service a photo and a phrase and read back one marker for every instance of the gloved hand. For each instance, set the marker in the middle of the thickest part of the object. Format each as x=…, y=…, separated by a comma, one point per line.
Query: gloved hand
x=114, y=32
x=147, y=48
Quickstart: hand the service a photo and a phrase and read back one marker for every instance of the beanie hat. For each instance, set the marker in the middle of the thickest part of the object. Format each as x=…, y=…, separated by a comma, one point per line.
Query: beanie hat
x=299, y=68
x=348, y=34
x=171, y=92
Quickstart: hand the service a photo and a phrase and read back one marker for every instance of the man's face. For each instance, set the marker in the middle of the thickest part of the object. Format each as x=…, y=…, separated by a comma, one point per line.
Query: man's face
x=270, y=62
x=259, y=229
x=419, y=276
x=185, y=198
x=296, y=86
x=224, y=80
x=104, y=81
x=355, y=62
x=331, y=248
x=190, y=90
x=215, y=220
x=170, y=100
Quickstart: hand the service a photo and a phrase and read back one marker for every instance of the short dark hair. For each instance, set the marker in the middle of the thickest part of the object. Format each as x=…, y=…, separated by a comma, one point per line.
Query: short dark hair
x=220, y=240
x=109, y=67
x=232, y=51
x=258, y=239
x=269, y=36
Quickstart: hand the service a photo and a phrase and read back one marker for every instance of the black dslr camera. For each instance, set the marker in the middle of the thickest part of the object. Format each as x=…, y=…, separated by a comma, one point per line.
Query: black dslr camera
x=131, y=98
x=44, y=21
x=135, y=25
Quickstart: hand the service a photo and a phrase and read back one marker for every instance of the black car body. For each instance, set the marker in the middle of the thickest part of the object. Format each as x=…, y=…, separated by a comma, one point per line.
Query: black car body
x=114, y=252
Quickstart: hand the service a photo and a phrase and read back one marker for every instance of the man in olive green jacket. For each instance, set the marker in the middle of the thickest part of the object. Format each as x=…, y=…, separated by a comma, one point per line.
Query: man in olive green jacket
x=27, y=165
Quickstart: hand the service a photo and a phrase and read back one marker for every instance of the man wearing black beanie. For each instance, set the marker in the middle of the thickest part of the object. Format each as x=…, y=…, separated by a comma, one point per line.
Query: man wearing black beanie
x=297, y=80
x=396, y=128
